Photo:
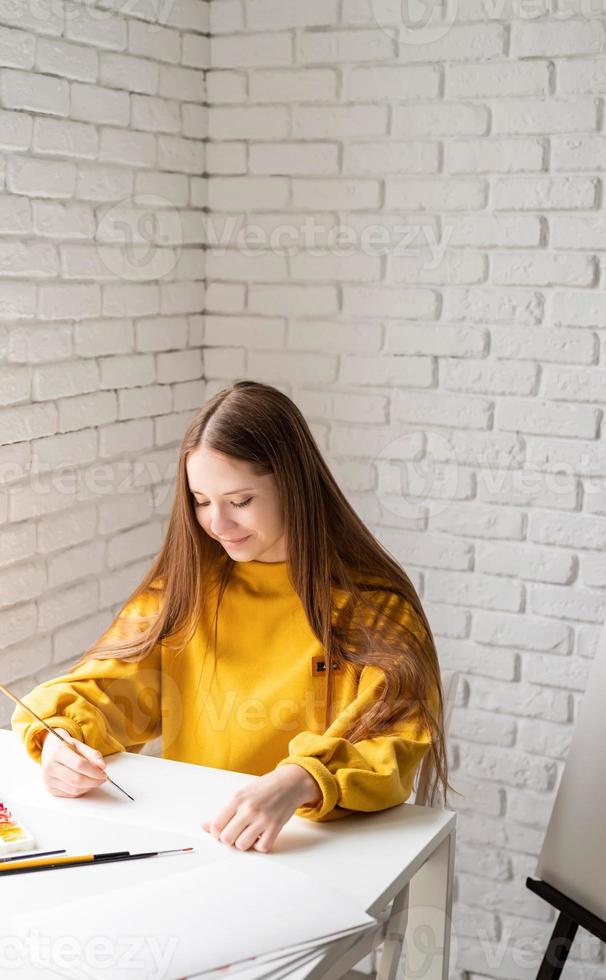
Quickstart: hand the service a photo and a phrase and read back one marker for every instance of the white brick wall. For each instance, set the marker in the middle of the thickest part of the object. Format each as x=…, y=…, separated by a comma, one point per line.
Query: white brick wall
x=103, y=127
x=461, y=352
x=447, y=340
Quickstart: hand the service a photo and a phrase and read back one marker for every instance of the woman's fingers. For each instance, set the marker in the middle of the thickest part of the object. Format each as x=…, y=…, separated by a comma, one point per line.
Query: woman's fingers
x=82, y=761
x=248, y=836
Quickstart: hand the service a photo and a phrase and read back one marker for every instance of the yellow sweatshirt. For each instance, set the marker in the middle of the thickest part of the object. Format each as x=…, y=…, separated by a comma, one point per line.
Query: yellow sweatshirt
x=257, y=705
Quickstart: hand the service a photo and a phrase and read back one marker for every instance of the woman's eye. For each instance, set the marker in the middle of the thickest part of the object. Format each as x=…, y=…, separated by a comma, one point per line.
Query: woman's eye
x=204, y=503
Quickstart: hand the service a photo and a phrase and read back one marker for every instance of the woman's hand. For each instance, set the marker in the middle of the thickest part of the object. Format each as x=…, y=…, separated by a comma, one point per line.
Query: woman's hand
x=66, y=774
x=256, y=814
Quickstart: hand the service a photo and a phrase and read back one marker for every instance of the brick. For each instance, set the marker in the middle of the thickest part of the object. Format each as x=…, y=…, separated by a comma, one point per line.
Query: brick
x=68, y=605
x=574, y=384
x=98, y=183
x=544, y=193
x=528, y=269
x=425, y=407
x=175, y=153
x=479, y=521
x=63, y=530
x=497, y=79
x=578, y=153
x=182, y=365
x=552, y=116
x=16, y=48
x=127, y=147
x=250, y=51
x=418, y=122
x=144, y=402
x=569, y=673
x=16, y=543
x=27, y=422
x=427, y=549
x=66, y=567
x=437, y=194
x=58, y=302
x=554, y=38
x=231, y=86
x=391, y=156
x=85, y=24
x=137, y=299
x=438, y=339
x=519, y=699
x=156, y=115
x=95, y=104
x=496, y=305
x=122, y=71
x=69, y=449
x=543, y=737
x=387, y=370
x=527, y=562
x=523, y=632
x=125, y=437
x=45, y=178
x=38, y=343
x=494, y=156
x=523, y=488
x=360, y=338
x=560, y=455
x=157, y=334
x=246, y=192
x=38, y=93
x=472, y=589
x=264, y=16
x=489, y=377
x=70, y=139
x=549, y=344
x=283, y=299
x=83, y=411
x=17, y=624
x=124, y=511
x=126, y=371
x=64, y=379
x=514, y=768
x=294, y=85
x=74, y=61
x=338, y=122
x=22, y=582
x=158, y=43
x=334, y=47
x=539, y=416
x=549, y=600
x=140, y=542
x=186, y=84
x=578, y=309
x=593, y=571
x=95, y=337
x=15, y=130
x=196, y=51
x=382, y=301
x=293, y=158
x=460, y=43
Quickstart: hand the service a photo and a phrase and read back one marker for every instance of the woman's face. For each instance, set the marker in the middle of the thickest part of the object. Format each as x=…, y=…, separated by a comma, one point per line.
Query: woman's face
x=237, y=507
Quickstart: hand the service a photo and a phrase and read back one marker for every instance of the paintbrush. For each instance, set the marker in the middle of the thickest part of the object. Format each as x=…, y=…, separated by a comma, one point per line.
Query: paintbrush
x=53, y=731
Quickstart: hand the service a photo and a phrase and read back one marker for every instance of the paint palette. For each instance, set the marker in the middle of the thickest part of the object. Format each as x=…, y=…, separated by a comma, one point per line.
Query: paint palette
x=13, y=835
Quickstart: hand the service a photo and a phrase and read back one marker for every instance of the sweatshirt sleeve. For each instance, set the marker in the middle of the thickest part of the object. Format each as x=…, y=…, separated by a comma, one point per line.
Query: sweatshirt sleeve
x=365, y=776
x=373, y=774
x=109, y=704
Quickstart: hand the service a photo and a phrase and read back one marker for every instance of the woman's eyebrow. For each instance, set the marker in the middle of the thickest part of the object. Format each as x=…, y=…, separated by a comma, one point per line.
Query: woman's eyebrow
x=228, y=493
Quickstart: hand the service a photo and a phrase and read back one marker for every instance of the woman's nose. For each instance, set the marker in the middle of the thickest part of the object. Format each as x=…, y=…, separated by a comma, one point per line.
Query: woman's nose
x=221, y=522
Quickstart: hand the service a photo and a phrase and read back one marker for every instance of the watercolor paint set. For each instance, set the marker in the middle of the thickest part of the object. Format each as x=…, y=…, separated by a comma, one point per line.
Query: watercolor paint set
x=13, y=835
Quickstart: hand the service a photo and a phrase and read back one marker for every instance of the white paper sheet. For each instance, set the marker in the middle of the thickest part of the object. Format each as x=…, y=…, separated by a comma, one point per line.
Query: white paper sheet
x=187, y=922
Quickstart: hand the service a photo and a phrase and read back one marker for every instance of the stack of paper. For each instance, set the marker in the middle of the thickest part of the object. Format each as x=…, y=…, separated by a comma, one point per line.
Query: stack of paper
x=251, y=917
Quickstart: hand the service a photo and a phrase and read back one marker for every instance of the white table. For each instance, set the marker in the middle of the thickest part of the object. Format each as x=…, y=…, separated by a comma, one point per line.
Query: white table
x=397, y=864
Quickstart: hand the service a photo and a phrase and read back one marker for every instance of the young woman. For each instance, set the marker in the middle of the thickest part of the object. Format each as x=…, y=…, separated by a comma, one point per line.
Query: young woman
x=272, y=635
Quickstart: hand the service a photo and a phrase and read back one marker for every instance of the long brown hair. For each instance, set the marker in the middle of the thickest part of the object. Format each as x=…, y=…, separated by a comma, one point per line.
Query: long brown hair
x=329, y=551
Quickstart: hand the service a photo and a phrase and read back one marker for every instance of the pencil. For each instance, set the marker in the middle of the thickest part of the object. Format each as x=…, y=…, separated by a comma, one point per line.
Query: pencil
x=17, y=700
x=89, y=860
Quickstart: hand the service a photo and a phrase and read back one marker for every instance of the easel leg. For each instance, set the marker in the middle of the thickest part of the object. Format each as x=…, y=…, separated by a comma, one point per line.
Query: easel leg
x=559, y=946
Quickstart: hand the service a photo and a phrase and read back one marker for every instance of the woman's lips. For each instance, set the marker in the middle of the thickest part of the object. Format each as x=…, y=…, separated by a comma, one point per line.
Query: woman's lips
x=238, y=541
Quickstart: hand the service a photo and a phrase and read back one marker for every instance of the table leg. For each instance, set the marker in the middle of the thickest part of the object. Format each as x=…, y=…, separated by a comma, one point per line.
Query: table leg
x=427, y=941
x=391, y=953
